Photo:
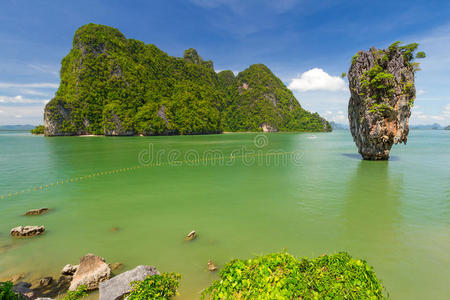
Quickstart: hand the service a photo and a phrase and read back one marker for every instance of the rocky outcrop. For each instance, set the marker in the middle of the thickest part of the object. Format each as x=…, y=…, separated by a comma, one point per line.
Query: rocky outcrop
x=117, y=287
x=91, y=271
x=36, y=212
x=69, y=269
x=382, y=94
x=27, y=231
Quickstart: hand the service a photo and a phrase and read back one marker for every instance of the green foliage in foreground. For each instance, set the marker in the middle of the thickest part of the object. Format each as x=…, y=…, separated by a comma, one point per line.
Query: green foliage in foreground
x=7, y=293
x=79, y=293
x=163, y=286
x=282, y=276
x=38, y=129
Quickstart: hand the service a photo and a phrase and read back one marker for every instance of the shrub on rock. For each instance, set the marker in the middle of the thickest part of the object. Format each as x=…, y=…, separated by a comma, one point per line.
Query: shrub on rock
x=282, y=276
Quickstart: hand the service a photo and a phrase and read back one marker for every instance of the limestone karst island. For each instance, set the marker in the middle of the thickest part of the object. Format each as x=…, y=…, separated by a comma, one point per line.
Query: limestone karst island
x=224, y=149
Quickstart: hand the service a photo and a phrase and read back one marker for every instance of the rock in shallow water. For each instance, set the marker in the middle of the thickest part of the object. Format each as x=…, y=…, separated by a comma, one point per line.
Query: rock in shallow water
x=46, y=281
x=36, y=212
x=191, y=235
x=118, y=286
x=69, y=269
x=23, y=288
x=211, y=266
x=91, y=271
x=27, y=231
x=382, y=93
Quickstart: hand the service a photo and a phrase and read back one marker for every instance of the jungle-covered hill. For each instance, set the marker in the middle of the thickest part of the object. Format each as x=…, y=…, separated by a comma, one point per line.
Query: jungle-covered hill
x=117, y=86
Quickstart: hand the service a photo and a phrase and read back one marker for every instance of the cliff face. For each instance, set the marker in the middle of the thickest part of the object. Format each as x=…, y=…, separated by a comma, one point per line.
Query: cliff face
x=382, y=94
x=117, y=86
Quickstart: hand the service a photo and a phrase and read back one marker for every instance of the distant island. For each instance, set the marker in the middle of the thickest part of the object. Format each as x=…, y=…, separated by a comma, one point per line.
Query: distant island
x=17, y=127
x=111, y=85
x=339, y=126
x=434, y=126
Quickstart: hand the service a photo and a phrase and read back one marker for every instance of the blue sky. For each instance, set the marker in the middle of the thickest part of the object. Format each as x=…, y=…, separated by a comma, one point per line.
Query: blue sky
x=308, y=44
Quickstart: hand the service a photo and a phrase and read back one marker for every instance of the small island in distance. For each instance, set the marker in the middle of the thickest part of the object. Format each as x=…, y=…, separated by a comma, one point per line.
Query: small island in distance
x=111, y=85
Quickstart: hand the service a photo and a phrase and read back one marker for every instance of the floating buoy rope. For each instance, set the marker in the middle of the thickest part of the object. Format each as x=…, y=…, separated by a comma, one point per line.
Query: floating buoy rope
x=116, y=171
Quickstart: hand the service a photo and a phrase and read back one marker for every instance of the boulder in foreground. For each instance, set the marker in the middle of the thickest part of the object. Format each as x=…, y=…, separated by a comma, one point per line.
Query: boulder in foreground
x=27, y=231
x=117, y=287
x=91, y=271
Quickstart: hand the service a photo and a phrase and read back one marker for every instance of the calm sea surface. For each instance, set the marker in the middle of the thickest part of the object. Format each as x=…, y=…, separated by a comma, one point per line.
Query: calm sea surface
x=315, y=196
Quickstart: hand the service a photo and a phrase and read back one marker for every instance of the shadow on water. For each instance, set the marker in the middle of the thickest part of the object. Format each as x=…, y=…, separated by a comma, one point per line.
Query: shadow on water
x=358, y=156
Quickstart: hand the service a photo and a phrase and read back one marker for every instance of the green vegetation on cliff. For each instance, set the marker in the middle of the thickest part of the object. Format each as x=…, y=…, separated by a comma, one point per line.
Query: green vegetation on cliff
x=38, y=130
x=380, y=84
x=282, y=276
x=117, y=86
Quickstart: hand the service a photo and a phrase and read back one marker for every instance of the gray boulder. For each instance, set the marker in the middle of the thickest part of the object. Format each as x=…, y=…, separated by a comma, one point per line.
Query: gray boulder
x=117, y=287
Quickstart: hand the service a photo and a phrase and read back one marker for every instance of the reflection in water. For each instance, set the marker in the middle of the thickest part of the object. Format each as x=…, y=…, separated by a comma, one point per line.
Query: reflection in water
x=372, y=215
x=371, y=209
x=358, y=156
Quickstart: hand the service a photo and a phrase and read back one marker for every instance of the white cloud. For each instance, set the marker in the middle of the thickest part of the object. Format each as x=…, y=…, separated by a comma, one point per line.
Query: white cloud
x=47, y=69
x=317, y=79
x=22, y=114
x=33, y=92
x=9, y=85
x=419, y=117
x=20, y=100
x=338, y=117
x=420, y=92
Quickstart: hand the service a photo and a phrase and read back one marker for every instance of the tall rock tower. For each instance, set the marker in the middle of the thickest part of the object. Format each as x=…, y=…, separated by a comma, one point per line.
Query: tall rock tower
x=382, y=94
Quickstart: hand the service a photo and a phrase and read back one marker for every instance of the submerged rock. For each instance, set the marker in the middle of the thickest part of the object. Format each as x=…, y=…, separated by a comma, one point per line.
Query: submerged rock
x=211, y=266
x=116, y=266
x=36, y=212
x=382, y=94
x=191, y=235
x=91, y=271
x=117, y=287
x=114, y=229
x=46, y=281
x=24, y=289
x=48, y=287
x=27, y=231
x=17, y=278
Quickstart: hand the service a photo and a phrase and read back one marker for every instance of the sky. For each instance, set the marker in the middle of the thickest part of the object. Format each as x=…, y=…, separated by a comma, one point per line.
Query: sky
x=308, y=44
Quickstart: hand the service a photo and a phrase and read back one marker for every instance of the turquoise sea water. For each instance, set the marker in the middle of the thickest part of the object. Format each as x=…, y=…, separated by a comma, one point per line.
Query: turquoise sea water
x=321, y=199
